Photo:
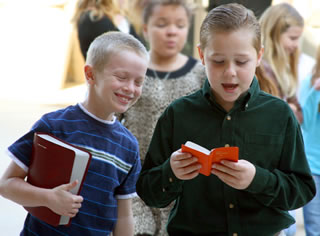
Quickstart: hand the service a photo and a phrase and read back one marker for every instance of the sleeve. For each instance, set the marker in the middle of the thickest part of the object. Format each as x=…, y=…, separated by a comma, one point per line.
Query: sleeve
x=291, y=185
x=127, y=188
x=157, y=185
x=310, y=100
x=20, y=150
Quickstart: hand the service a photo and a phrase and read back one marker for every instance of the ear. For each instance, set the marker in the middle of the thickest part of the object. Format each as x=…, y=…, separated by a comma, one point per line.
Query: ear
x=260, y=54
x=88, y=72
x=145, y=32
x=200, y=54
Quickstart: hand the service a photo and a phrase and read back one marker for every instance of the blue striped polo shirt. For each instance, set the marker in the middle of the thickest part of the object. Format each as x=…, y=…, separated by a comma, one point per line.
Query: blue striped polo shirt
x=112, y=173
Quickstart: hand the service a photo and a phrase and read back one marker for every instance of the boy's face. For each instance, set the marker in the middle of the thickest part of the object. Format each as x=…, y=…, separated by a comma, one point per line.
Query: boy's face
x=230, y=61
x=119, y=84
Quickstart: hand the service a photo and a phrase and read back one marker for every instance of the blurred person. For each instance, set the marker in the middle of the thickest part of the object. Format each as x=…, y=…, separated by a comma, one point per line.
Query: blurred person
x=310, y=102
x=282, y=27
x=94, y=17
x=170, y=75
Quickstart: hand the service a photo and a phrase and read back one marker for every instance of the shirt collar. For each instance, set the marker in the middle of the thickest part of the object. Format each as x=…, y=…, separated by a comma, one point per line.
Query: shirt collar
x=243, y=102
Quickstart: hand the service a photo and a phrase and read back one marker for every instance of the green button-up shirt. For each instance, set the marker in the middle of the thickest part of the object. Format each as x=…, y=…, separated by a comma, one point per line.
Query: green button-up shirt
x=267, y=134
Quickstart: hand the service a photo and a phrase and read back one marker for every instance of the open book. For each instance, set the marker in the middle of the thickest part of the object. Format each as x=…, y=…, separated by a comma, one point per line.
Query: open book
x=206, y=157
x=55, y=162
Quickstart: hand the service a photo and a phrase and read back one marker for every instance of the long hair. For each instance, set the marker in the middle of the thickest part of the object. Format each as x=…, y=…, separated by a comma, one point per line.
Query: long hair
x=274, y=22
x=99, y=8
x=229, y=18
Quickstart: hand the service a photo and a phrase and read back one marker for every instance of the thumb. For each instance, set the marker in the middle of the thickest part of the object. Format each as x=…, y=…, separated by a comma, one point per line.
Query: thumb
x=71, y=185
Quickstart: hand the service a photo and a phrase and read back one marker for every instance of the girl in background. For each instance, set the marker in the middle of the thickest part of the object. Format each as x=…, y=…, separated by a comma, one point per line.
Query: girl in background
x=310, y=102
x=94, y=17
x=170, y=75
x=282, y=27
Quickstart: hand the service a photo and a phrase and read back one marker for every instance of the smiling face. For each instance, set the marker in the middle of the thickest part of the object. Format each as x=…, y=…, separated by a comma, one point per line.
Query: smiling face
x=118, y=85
x=230, y=60
x=167, y=29
x=290, y=39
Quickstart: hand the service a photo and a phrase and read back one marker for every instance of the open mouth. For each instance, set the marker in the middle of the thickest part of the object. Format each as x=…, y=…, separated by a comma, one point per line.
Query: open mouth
x=229, y=87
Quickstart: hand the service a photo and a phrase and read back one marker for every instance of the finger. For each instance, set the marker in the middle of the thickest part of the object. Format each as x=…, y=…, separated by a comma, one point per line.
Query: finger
x=191, y=175
x=187, y=162
x=182, y=156
x=71, y=185
x=191, y=168
x=76, y=205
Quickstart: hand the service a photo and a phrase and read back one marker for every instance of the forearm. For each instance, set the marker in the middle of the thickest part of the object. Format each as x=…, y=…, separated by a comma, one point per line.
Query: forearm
x=158, y=186
x=21, y=192
x=124, y=227
x=282, y=190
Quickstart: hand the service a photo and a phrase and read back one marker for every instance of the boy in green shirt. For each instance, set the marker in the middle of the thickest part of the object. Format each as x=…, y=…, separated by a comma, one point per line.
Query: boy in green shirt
x=248, y=197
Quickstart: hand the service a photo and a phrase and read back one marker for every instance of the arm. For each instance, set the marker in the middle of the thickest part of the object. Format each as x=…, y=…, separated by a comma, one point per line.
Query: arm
x=125, y=223
x=157, y=184
x=290, y=184
x=310, y=103
x=14, y=187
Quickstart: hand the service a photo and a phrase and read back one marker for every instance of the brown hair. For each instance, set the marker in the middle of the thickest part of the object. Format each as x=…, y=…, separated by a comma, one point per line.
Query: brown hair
x=148, y=10
x=99, y=8
x=233, y=17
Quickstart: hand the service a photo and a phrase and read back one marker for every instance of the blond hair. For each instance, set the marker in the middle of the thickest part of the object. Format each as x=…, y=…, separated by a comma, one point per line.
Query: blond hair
x=98, y=9
x=275, y=21
x=104, y=46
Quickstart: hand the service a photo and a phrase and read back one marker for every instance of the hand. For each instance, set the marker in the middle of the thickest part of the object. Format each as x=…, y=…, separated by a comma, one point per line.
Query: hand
x=184, y=165
x=63, y=202
x=293, y=107
x=317, y=84
x=238, y=175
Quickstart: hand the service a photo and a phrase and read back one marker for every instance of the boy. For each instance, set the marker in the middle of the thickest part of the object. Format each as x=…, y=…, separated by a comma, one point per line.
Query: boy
x=246, y=198
x=115, y=69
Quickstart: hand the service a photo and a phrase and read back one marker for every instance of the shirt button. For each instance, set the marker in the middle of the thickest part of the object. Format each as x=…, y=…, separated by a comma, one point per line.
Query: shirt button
x=170, y=180
x=163, y=189
x=227, y=145
x=231, y=205
x=228, y=117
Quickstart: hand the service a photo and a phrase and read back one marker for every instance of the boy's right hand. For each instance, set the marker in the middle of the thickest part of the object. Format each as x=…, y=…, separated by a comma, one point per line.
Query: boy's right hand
x=184, y=165
x=63, y=202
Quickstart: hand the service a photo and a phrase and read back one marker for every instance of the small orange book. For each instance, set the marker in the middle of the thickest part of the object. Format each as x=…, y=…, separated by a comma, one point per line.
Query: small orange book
x=206, y=157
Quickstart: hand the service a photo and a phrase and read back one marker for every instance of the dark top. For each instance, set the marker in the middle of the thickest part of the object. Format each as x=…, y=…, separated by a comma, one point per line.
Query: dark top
x=88, y=30
x=267, y=134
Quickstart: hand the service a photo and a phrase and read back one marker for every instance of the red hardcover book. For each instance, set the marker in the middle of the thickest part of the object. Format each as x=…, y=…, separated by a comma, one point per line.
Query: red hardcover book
x=55, y=162
x=206, y=157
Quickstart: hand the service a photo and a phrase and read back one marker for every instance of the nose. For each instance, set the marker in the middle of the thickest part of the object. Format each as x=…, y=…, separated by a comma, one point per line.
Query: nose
x=129, y=87
x=230, y=70
x=171, y=29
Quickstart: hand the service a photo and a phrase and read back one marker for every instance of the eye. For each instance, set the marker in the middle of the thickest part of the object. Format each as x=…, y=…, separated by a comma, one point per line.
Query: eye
x=120, y=77
x=241, y=62
x=138, y=83
x=218, y=61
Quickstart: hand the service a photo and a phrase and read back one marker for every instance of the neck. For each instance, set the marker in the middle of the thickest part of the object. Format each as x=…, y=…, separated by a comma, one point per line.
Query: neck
x=97, y=109
x=172, y=63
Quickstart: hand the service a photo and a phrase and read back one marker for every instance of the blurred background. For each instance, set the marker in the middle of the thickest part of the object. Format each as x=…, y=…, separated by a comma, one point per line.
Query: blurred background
x=41, y=68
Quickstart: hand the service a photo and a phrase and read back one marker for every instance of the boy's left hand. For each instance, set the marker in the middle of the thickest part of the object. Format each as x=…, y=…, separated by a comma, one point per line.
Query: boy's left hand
x=238, y=175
